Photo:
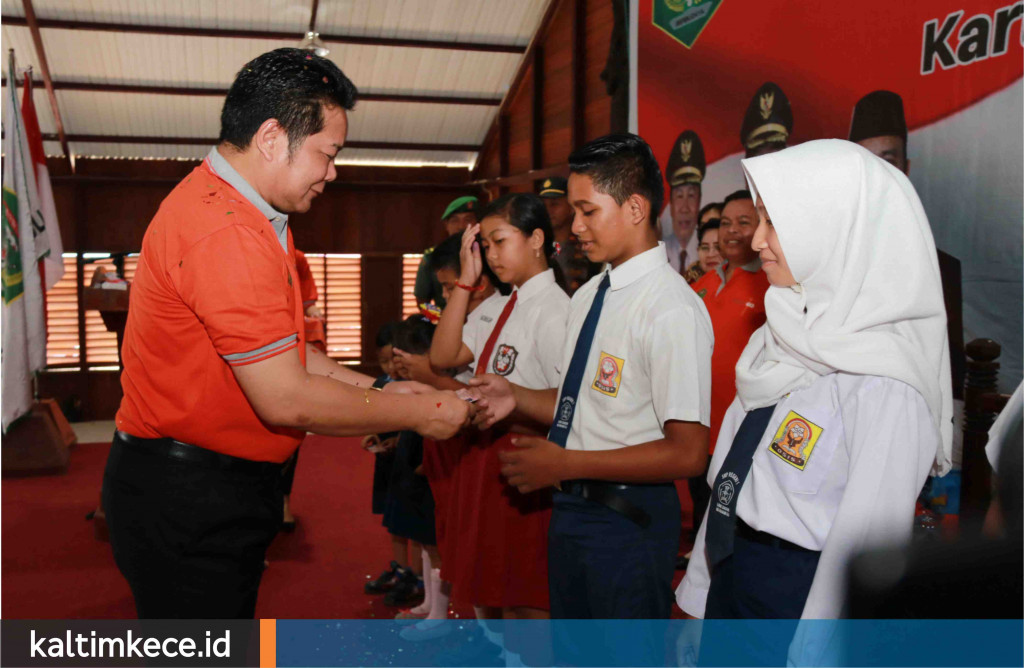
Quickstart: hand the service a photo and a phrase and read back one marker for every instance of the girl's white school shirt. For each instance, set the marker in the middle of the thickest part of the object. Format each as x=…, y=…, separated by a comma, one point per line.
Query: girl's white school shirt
x=528, y=350
x=851, y=489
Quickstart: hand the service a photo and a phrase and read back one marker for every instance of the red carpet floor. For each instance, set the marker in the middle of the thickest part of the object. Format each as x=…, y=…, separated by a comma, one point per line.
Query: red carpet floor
x=53, y=566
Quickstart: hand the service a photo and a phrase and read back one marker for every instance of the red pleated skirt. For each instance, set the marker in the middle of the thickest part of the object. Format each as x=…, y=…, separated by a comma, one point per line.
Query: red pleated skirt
x=497, y=537
x=440, y=459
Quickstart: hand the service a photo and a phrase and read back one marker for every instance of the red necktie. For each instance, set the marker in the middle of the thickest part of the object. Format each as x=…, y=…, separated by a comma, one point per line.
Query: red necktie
x=485, y=356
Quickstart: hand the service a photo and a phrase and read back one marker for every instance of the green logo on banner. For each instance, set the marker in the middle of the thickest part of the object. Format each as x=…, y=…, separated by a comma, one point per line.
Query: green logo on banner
x=13, y=283
x=684, y=20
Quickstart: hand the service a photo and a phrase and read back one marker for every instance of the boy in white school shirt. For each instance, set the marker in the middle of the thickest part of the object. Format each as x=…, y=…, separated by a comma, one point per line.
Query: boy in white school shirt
x=632, y=409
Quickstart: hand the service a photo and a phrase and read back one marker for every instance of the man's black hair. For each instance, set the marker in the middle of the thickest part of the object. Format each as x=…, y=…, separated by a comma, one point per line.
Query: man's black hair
x=385, y=335
x=621, y=165
x=707, y=207
x=712, y=224
x=290, y=85
x=414, y=334
x=446, y=256
x=739, y=194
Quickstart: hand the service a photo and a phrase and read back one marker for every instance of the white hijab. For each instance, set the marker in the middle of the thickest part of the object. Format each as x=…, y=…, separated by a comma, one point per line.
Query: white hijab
x=869, y=299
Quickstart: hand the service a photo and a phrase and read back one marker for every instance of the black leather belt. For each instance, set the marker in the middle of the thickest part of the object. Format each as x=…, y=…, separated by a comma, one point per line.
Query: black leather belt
x=607, y=494
x=193, y=454
x=746, y=532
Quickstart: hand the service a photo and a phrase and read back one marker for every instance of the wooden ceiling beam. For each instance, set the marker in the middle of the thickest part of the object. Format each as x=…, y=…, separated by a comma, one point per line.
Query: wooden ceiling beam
x=525, y=177
x=210, y=141
x=37, y=41
x=524, y=65
x=221, y=92
x=97, y=26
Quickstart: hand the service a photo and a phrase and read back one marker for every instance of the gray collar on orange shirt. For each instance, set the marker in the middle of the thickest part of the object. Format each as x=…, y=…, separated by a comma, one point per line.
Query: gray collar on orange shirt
x=278, y=220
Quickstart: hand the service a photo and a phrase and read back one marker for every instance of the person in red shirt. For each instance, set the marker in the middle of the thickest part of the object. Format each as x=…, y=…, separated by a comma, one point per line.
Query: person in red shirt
x=734, y=295
x=219, y=383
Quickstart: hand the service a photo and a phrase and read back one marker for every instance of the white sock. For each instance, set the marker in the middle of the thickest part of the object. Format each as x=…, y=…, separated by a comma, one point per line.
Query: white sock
x=440, y=591
x=424, y=607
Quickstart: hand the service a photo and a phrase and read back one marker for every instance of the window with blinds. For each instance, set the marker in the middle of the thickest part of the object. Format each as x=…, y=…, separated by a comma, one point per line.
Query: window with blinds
x=100, y=344
x=338, y=282
x=342, y=304
x=410, y=265
x=318, y=267
x=62, y=348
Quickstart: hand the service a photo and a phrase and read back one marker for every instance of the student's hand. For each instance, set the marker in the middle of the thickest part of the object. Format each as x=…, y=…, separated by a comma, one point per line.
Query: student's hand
x=416, y=367
x=408, y=387
x=496, y=400
x=315, y=311
x=469, y=256
x=446, y=415
x=536, y=463
x=370, y=441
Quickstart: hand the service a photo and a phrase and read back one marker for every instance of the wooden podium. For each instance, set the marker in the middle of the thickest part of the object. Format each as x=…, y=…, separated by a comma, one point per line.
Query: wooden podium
x=112, y=305
x=39, y=443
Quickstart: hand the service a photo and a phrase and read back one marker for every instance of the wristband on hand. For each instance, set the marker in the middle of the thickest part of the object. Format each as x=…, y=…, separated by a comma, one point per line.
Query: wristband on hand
x=469, y=288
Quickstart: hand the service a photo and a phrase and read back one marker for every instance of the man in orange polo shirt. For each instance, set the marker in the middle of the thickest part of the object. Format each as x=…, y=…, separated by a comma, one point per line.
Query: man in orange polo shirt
x=734, y=296
x=219, y=384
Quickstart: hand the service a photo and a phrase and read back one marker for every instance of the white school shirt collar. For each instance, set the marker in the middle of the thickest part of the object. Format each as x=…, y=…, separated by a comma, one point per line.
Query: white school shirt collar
x=535, y=285
x=638, y=266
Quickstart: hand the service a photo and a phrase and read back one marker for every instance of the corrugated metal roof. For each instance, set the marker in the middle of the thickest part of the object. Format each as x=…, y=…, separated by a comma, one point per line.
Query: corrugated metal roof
x=104, y=57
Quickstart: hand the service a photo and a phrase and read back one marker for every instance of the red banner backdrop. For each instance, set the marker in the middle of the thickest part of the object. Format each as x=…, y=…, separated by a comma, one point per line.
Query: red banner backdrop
x=958, y=66
x=825, y=56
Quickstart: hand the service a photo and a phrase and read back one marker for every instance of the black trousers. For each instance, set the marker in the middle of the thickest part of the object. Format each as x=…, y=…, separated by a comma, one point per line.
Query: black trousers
x=288, y=472
x=700, y=493
x=602, y=565
x=757, y=582
x=189, y=537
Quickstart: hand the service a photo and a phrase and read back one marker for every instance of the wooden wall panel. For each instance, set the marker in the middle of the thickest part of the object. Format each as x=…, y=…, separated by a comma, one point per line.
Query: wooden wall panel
x=521, y=127
x=597, y=106
x=85, y=395
x=593, y=116
x=557, y=88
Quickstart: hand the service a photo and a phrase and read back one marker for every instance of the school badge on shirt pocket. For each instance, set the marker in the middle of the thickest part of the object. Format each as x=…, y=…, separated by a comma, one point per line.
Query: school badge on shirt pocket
x=505, y=360
x=795, y=440
x=609, y=374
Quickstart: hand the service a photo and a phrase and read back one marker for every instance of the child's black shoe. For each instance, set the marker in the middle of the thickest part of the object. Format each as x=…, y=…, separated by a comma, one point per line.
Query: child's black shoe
x=385, y=582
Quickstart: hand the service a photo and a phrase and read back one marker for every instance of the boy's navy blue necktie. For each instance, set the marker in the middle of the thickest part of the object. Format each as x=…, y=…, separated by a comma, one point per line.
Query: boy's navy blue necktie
x=721, y=530
x=574, y=375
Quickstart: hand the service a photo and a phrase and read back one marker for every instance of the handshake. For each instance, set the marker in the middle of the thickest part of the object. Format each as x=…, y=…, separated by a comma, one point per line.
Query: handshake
x=487, y=400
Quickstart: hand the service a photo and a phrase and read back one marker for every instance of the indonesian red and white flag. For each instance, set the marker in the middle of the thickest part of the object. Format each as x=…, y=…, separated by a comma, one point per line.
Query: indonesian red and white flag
x=52, y=266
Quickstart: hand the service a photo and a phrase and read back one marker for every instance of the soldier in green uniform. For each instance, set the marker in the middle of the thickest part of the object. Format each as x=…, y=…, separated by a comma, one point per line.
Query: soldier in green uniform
x=768, y=121
x=576, y=269
x=460, y=214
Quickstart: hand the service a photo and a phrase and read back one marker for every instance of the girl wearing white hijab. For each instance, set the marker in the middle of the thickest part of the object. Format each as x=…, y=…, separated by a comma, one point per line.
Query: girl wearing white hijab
x=843, y=397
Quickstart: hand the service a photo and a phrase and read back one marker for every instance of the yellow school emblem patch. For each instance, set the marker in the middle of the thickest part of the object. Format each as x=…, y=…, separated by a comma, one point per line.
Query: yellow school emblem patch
x=795, y=440
x=609, y=374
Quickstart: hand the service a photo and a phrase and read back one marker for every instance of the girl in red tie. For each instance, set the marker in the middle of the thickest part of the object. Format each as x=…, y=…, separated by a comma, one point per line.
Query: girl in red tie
x=500, y=563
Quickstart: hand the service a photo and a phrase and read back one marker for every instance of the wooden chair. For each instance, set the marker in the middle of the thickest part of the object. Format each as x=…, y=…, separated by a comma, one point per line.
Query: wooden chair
x=982, y=402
